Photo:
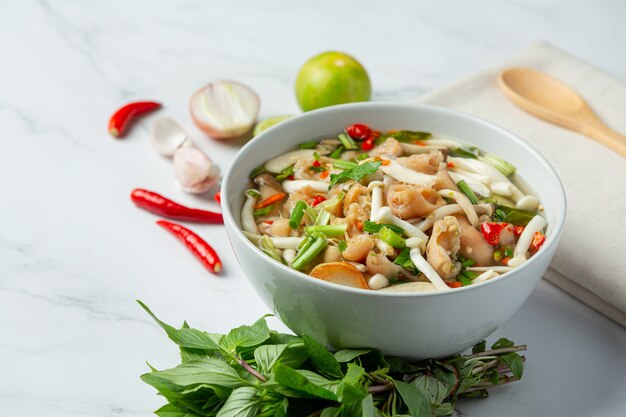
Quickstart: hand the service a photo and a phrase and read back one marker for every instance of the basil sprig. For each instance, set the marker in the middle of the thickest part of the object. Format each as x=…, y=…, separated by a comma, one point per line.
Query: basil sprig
x=254, y=371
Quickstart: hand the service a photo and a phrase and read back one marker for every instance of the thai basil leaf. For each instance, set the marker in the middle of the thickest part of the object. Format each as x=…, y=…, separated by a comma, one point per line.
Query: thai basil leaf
x=502, y=343
x=466, y=152
x=404, y=260
x=323, y=360
x=243, y=402
x=266, y=356
x=415, y=400
x=246, y=336
x=480, y=347
x=173, y=410
x=208, y=371
x=186, y=337
x=285, y=173
x=347, y=355
x=513, y=361
x=292, y=379
x=355, y=173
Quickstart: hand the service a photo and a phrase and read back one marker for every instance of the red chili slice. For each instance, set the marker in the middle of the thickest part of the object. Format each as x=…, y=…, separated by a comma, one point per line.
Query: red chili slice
x=358, y=131
x=538, y=241
x=491, y=232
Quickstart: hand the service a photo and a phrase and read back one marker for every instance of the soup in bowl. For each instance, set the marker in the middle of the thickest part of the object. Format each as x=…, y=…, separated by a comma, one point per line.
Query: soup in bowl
x=412, y=229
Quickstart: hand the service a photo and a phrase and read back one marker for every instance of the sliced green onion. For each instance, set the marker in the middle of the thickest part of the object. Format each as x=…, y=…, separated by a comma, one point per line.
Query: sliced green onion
x=347, y=141
x=331, y=230
x=310, y=212
x=267, y=247
x=404, y=260
x=285, y=173
x=500, y=164
x=333, y=202
x=342, y=164
x=257, y=171
x=466, y=263
x=342, y=245
x=362, y=156
x=390, y=237
x=307, y=255
x=466, y=277
x=465, y=189
x=253, y=193
x=464, y=280
x=305, y=243
x=263, y=211
x=337, y=152
x=308, y=145
x=508, y=253
x=297, y=214
x=323, y=217
x=371, y=227
x=316, y=156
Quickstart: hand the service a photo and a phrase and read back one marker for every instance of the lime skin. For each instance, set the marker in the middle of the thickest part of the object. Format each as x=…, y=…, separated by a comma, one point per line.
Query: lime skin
x=331, y=78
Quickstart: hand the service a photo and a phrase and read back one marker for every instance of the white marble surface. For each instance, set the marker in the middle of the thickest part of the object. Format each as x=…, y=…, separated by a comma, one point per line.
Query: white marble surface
x=75, y=253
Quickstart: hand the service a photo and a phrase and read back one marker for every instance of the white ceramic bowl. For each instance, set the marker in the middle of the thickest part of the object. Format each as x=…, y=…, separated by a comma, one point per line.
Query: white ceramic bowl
x=414, y=326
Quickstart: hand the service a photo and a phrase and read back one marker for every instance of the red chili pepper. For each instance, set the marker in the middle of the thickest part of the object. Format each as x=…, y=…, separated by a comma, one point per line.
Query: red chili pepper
x=202, y=250
x=368, y=144
x=122, y=118
x=270, y=200
x=317, y=164
x=455, y=284
x=218, y=197
x=317, y=199
x=157, y=204
x=450, y=164
x=517, y=230
x=291, y=177
x=358, y=131
x=538, y=240
x=324, y=174
x=491, y=232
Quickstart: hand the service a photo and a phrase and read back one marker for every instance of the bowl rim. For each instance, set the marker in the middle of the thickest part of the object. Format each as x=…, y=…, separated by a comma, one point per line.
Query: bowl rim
x=557, y=227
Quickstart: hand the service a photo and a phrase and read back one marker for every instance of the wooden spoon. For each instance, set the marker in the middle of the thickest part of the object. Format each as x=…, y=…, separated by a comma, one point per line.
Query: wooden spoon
x=549, y=99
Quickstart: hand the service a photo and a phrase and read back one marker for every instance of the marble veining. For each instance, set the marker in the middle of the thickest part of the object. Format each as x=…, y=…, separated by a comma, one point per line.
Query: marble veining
x=75, y=253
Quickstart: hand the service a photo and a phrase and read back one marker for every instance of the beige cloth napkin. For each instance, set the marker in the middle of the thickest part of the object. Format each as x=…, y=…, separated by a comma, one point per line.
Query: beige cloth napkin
x=590, y=263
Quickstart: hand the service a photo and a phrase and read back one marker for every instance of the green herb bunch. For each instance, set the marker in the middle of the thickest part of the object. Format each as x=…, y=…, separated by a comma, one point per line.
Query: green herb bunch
x=254, y=371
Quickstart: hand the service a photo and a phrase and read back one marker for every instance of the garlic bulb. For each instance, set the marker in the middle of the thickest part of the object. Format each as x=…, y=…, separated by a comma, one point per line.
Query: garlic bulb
x=167, y=136
x=194, y=171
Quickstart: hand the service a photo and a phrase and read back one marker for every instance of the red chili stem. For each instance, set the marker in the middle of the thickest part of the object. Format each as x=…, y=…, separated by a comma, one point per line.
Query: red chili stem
x=196, y=245
x=123, y=117
x=157, y=204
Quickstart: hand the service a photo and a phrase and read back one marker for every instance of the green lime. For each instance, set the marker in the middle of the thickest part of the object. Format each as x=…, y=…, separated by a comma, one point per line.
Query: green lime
x=331, y=78
x=269, y=122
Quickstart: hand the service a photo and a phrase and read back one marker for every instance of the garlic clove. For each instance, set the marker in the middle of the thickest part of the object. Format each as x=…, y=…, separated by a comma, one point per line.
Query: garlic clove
x=194, y=171
x=224, y=109
x=167, y=136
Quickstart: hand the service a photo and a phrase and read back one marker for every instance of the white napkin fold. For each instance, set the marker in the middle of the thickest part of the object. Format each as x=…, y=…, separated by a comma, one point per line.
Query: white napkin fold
x=590, y=263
